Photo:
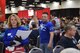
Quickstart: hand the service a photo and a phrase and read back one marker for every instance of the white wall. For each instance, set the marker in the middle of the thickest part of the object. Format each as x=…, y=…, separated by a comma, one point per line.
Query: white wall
x=65, y=4
x=71, y=4
x=14, y=10
x=52, y=6
x=7, y=11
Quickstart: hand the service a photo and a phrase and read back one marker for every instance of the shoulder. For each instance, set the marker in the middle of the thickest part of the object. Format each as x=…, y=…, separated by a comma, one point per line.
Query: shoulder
x=49, y=24
x=7, y=29
x=21, y=28
x=64, y=39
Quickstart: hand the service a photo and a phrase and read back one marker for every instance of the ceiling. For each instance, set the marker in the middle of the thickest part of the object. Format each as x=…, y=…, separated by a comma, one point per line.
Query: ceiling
x=17, y=3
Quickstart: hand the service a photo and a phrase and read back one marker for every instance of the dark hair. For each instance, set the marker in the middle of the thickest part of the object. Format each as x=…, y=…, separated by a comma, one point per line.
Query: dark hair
x=45, y=13
x=53, y=14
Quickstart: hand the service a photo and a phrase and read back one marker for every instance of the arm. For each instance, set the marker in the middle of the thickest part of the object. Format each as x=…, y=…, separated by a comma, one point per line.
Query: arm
x=5, y=40
x=30, y=26
x=51, y=29
x=35, y=19
x=78, y=46
x=50, y=44
x=25, y=42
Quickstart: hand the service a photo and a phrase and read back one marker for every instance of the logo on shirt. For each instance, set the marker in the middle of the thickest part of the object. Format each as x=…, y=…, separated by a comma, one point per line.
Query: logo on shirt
x=9, y=34
x=51, y=28
x=42, y=27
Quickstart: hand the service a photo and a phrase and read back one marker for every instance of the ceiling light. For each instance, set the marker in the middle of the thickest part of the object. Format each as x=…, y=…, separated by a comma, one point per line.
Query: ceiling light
x=11, y=1
x=68, y=0
x=23, y=4
x=31, y=5
x=43, y=5
x=24, y=0
x=56, y=3
x=36, y=0
x=12, y=4
x=21, y=8
x=47, y=1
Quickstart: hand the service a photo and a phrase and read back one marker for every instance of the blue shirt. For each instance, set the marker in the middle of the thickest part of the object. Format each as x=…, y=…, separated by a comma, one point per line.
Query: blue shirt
x=10, y=35
x=45, y=29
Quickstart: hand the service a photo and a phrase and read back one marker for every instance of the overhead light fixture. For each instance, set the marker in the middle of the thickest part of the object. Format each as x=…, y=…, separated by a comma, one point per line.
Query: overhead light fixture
x=55, y=3
x=30, y=9
x=11, y=1
x=47, y=1
x=68, y=0
x=23, y=4
x=24, y=0
x=35, y=3
x=21, y=8
x=31, y=5
x=37, y=0
x=12, y=4
x=43, y=5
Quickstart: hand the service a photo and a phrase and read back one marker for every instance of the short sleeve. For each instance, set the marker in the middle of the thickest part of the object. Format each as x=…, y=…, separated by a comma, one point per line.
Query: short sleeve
x=50, y=27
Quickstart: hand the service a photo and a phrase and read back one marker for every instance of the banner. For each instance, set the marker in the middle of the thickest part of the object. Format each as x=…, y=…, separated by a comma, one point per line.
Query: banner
x=39, y=12
x=48, y=11
x=2, y=10
x=23, y=14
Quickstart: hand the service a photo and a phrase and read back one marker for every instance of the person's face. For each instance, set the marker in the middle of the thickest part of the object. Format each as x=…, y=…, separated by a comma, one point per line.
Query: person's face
x=44, y=17
x=72, y=31
x=13, y=21
x=23, y=21
x=52, y=17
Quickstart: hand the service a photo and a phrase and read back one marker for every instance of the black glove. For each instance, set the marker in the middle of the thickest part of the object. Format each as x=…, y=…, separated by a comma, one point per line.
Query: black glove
x=12, y=43
x=18, y=38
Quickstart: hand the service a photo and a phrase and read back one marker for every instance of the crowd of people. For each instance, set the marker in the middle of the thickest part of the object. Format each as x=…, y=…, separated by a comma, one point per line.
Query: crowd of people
x=48, y=34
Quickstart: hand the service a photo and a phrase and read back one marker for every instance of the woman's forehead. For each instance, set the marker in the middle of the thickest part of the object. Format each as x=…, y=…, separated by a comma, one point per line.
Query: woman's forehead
x=13, y=17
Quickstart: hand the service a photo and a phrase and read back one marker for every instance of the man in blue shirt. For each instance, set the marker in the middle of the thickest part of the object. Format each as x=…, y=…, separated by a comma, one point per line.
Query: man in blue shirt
x=46, y=34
